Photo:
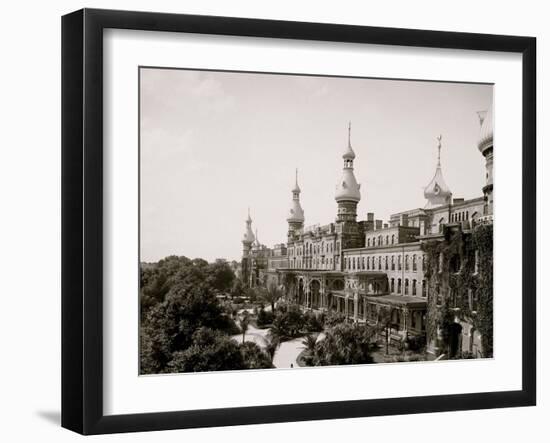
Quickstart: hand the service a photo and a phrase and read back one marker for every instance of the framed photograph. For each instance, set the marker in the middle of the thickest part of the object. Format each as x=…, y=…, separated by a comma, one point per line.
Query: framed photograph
x=268, y=221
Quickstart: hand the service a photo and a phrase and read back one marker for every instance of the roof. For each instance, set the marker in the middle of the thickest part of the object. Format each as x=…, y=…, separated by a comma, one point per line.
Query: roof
x=486, y=131
x=399, y=300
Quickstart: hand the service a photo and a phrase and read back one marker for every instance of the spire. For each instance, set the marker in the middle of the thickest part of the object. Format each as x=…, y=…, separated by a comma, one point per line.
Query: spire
x=349, y=155
x=348, y=189
x=437, y=192
x=248, y=237
x=439, y=137
x=296, y=190
x=296, y=213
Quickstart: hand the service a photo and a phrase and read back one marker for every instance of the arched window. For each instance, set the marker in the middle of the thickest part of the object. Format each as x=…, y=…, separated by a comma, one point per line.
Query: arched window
x=363, y=263
x=423, y=262
x=399, y=263
x=386, y=262
x=368, y=242
x=424, y=289
x=393, y=239
x=399, y=286
x=406, y=262
x=393, y=262
x=392, y=285
x=379, y=240
x=414, y=263
x=414, y=287
x=406, y=286
x=379, y=263
x=387, y=239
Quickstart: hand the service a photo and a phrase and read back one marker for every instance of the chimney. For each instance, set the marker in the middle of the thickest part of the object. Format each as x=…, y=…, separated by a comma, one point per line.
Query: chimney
x=370, y=216
x=385, y=225
x=378, y=224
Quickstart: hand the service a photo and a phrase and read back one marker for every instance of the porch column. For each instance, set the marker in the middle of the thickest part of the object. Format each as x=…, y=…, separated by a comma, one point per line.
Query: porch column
x=355, y=306
x=405, y=322
x=346, y=305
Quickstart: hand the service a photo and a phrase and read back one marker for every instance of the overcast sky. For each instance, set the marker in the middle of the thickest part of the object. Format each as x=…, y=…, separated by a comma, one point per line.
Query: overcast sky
x=215, y=143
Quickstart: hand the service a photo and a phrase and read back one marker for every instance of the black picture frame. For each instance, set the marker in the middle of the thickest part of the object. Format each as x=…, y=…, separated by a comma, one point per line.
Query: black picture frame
x=82, y=219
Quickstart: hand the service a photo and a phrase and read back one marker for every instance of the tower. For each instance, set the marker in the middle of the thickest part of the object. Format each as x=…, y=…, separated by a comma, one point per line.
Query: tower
x=295, y=217
x=437, y=192
x=485, y=146
x=348, y=193
x=248, y=239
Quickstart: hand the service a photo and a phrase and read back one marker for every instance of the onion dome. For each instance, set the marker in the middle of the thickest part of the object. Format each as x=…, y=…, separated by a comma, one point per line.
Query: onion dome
x=296, y=213
x=486, y=131
x=437, y=192
x=248, y=237
x=347, y=188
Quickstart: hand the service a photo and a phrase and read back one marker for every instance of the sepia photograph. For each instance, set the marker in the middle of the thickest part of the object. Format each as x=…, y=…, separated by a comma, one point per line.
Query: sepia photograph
x=290, y=221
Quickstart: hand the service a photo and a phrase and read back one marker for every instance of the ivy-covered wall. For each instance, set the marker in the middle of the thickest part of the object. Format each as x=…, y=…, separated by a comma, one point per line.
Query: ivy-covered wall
x=457, y=288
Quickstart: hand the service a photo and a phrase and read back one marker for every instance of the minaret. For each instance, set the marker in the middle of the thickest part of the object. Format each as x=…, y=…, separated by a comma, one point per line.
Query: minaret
x=348, y=192
x=437, y=192
x=485, y=146
x=248, y=237
x=295, y=217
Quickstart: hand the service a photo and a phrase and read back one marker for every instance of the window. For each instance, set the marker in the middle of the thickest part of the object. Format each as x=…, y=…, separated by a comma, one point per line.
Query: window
x=392, y=285
x=393, y=239
x=424, y=289
x=393, y=262
x=414, y=287
x=423, y=262
x=399, y=263
x=406, y=262
x=387, y=239
x=399, y=286
x=406, y=286
x=379, y=263
x=386, y=262
x=363, y=263
x=354, y=263
x=414, y=263
x=368, y=242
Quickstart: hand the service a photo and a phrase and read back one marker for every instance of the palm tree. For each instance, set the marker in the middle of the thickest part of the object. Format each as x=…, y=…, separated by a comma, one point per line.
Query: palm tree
x=309, y=342
x=272, y=295
x=271, y=346
x=244, y=321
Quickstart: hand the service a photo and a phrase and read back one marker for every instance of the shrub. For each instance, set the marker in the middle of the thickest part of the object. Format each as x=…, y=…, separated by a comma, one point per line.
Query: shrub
x=333, y=319
x=264, y=318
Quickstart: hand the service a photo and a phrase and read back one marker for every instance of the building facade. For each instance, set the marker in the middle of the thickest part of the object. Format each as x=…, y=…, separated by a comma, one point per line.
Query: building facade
x=371, y=271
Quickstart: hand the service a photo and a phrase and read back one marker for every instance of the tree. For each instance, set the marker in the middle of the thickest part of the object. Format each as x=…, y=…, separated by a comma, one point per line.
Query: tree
x=272, y=295
x=345, y=344
x=237, y=291
x=189, y=304
x=210, y=351
x=243, y=323
x=222, y=275
x=254, y=357
x=309, y=342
